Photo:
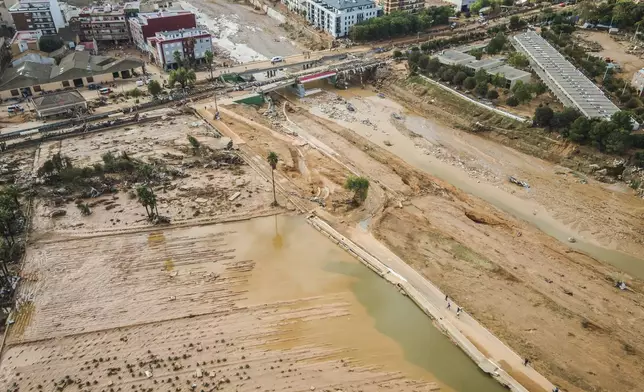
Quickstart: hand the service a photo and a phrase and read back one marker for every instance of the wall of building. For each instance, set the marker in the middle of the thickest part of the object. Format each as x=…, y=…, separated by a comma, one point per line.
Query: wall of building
x=165, y=49
x=337, y=22
x=104, y=78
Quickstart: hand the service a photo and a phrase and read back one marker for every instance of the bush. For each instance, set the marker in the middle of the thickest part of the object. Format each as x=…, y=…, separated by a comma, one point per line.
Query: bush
x=492, y=94
x=512, y=101
x=481, y=89
x=469, y=83
x=398, y=54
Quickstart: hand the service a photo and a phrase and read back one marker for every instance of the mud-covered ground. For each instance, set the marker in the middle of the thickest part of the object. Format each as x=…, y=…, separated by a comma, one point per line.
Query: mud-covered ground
x=550, y=303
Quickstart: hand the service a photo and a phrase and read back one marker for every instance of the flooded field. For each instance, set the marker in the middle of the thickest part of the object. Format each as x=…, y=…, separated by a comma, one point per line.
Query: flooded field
x=264, y=303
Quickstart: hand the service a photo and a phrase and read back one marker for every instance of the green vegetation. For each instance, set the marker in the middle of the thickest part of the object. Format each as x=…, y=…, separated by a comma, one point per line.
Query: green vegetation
x=497, y=43
x=134, y=93
x=611, y=136
x=194, y=143
x=518, y=60
x=50, y=43
x=624, y=14
x=398, y=24
x=154, y=88
x=209, y=58
x=12, y=224
x=148, y=199
x=84, y=209
x=185, y=77
x=359, y=186
x=272, y=160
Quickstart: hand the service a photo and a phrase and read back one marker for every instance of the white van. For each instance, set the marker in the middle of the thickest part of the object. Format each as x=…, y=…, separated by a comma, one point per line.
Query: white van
x=277, y=59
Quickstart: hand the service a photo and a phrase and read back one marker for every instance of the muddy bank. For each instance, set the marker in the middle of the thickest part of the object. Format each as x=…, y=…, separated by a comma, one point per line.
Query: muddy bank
x=549, y=303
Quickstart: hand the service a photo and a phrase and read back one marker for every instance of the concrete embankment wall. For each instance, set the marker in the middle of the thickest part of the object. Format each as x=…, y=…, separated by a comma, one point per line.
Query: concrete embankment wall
x=423, y=303
x=268, y=10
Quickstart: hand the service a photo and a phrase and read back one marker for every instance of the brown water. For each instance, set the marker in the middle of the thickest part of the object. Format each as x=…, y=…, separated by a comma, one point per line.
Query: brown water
x=379, y=111
x=381, y=328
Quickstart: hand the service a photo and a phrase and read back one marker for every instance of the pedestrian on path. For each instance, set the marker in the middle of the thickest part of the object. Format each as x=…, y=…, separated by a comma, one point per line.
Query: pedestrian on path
x=458, y=312
x=449, y=305
x=526, y=362
x=446, y=298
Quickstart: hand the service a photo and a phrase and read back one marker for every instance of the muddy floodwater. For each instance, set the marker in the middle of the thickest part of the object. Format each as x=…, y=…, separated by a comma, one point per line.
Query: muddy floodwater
x=380, y=111
x=384, y=329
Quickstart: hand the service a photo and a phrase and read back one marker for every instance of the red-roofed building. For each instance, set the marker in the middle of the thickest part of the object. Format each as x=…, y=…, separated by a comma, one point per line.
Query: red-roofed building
x=146, y=25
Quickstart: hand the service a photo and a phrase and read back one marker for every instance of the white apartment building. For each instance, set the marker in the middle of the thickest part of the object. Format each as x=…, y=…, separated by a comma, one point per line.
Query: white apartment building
x=337, y=16
x=192, y=45
x=462, y=5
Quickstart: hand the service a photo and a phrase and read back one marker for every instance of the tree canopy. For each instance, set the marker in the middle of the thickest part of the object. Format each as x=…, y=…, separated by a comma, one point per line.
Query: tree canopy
x=183, y=76
x=50, y=43
x=359, y=186
x=398, y=24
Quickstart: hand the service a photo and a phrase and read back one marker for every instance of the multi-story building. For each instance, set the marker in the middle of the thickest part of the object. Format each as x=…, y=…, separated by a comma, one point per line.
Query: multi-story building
x=462, y=5
x=337, y=16
x=191, y=44
x=146, y=25
x=102, y=23
x=23, y=41
x=389, y=6
x=43, y=15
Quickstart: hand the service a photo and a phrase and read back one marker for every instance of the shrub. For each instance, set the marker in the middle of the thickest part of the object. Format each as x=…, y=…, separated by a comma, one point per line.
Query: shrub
x=492, y=94
x=512, y=101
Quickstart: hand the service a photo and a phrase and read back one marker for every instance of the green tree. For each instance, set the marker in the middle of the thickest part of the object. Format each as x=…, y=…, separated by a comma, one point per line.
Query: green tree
x=622, y=121
x=182, y=76
x=481, y=89
x=543, y=115
x=272, y=159
x=209, y=57
x=469, y=83
x=518, y=60
x=176, y=55
x=599, y=132
x=538, y=88
x=496, y=44
x=633, y=103
x=148, y=199
x=194, y=143
x=516, y=23
x=481, y=76
x=50, y=43
x=154, y=88
x=448, y=74
x=459, y=78
x=492, y=94
x=14, y=193
x=359, y=186
x=433, y=65
x=579, y=130
x=398, y=54
x=512, y=101
x=521, y=92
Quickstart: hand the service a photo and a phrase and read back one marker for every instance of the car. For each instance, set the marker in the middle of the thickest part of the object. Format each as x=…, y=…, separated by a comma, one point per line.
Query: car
x=12, y=109
x=139, y=83
x=93, y=86
x=277, y=59
x=105, y=91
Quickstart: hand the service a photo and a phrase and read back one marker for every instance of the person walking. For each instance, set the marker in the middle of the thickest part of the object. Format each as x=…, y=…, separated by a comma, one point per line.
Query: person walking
x=449, y=305
x=525, y=362
x=446, y=298
x=458, y=312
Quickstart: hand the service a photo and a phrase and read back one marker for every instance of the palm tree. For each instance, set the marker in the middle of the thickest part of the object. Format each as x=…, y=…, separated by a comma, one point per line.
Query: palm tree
x=147, y=198
x=209, y=57
x=359, y=186
x=182, y=76
x=177, y=58
x=272, y=160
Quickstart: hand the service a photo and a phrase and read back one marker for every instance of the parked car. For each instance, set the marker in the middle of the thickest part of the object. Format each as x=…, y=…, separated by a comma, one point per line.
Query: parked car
x=93, y=86
x=105, y=91
x=13, y=109
x=277, y=59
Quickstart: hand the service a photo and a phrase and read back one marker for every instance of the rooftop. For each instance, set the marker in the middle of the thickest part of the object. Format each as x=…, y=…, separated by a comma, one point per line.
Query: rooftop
x=25, y=35
x=108, y=9
x=344, y=4
x=510, y=73
x=168, y=35
x=576, y=87
x=485, y=63
x=143, y=18
x=73, y=66
x=25, y=5
x=60, y=99
x=456, y=56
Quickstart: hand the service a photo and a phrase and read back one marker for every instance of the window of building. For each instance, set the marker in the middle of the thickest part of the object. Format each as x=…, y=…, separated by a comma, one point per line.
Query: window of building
x=31, y=26
x=37, y=89
x=65, y=83
x=90, y=79
x=14, y=93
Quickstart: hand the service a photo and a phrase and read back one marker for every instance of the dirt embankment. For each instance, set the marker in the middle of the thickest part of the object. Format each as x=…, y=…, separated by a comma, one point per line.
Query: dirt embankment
x=555, y=306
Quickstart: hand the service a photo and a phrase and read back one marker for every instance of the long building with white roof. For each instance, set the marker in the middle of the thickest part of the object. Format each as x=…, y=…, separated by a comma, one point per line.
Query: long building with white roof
x=571, y=86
